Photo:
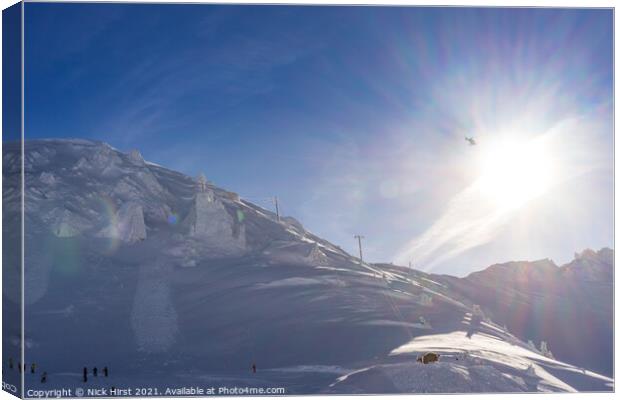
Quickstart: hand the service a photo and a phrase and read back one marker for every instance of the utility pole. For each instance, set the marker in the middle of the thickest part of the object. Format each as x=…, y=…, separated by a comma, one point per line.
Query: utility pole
x=275, y=202
x=359, y=243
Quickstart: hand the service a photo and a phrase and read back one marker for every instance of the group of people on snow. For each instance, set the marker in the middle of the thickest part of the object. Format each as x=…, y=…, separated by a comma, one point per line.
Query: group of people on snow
x=23, y=368
x=33, y=369
x=106, y=372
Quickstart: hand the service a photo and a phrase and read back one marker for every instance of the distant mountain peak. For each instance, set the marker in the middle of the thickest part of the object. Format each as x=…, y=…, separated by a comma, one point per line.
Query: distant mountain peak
x=588, y=253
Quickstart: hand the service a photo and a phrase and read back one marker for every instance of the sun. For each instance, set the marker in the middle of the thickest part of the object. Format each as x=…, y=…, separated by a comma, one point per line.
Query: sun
x=513, y=172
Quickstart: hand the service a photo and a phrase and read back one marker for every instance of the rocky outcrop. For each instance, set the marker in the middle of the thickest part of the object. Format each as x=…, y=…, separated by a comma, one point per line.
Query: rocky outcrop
x=210, y=222
x=65, y=223
x=296, y=253
x=136, y=158
x=47, y=178
x=129, y=224
x=104, y=161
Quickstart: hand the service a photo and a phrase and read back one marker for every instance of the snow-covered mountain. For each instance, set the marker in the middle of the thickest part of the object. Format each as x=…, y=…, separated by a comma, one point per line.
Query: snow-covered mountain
x=570, y=306
x=169, y=281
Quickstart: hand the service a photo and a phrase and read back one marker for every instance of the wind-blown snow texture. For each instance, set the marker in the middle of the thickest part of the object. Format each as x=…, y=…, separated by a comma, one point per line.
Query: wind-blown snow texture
x=170, y=282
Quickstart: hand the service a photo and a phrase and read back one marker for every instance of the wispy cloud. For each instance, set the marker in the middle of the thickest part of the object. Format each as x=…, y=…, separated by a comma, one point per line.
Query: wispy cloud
x=162, y=93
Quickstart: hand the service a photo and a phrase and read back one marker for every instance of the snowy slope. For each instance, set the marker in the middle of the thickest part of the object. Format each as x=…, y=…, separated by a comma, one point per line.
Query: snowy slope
x=481, y=362
x=169, y=281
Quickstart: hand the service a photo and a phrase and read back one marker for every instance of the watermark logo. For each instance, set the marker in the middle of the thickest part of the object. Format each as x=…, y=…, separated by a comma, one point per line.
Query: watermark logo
x=9, y=387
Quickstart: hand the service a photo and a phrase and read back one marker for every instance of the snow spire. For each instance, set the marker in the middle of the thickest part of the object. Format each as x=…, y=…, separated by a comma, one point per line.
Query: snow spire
x=425, y=299
x=544, y=349
x=202, y=182
x=531, y=371
x=135, y=157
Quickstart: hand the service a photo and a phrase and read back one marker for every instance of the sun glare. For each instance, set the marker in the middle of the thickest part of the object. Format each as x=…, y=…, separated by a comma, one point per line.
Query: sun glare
x=513, y=172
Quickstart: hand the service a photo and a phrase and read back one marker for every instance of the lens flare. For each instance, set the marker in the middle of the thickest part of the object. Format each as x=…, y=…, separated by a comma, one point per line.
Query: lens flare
x=240, y=215
x=173, y=219
x=108, y=209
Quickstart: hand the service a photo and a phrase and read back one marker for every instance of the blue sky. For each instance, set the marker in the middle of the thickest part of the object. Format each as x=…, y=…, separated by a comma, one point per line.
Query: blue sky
x=354, y=116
